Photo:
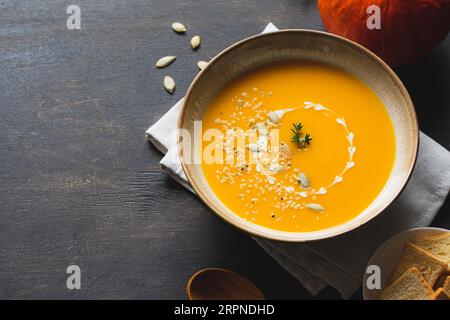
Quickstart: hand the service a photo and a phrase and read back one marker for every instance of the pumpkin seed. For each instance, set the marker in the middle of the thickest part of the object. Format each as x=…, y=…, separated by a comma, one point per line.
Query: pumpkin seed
x=195, y=42
x=303, y=179
x=285, y=151
x=165, y=61
x=315, y=207
x=178, y=27
x=262, y=129
x=169, y=84
x=275, y=167
x=202, y=64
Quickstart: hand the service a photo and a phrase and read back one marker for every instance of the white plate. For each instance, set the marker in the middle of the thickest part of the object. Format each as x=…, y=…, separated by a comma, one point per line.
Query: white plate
x=388, y=254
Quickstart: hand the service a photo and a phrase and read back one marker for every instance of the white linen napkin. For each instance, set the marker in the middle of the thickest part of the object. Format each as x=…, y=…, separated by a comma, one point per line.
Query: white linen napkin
x=338, y=262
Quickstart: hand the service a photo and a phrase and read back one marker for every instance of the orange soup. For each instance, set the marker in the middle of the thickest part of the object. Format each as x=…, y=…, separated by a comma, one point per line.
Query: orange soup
x=319, y=146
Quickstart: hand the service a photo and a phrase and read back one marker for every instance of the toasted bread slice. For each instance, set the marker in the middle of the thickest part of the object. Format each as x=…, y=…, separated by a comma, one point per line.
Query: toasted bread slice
x=441, y=279
x=411, y=285
x=414, y=256
x=440, y=294
x=446, y=286
x=437, y=245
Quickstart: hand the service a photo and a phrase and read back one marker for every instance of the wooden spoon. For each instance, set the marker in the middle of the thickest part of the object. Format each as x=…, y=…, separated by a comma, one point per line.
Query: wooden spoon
x=221, y=284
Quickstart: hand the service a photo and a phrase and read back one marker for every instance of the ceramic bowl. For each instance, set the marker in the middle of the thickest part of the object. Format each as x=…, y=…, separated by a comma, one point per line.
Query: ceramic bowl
x=292, y=45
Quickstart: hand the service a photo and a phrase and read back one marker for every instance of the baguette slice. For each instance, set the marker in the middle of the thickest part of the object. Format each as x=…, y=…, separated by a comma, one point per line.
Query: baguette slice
x=437, y=245
x=446, y=286
x=440, y=294
x=414, y=256
x=409, y=286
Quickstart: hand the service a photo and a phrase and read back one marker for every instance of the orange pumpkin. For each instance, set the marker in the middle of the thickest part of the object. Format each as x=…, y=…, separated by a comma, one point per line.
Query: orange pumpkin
x=409, y=28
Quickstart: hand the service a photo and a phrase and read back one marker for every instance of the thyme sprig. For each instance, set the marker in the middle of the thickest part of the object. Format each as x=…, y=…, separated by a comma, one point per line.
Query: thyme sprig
x=302, y=141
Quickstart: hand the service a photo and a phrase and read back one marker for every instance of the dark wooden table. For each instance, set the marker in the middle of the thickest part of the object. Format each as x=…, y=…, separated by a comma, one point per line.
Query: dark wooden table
x=79, y=184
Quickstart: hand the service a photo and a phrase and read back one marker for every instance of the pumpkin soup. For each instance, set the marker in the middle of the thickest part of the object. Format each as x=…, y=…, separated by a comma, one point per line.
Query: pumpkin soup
x=303, y=146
